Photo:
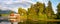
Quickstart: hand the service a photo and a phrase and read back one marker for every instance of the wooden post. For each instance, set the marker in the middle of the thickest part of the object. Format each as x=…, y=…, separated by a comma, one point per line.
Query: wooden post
x=12, y=14
x=11, y=22
x=14, y=18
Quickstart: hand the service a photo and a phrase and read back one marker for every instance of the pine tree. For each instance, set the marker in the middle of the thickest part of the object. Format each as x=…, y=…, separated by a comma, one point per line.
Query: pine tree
x=38, y=10
x=32, y=14
x=58, y=11
x=39, y=7
x=49, y=10
x=44, y=11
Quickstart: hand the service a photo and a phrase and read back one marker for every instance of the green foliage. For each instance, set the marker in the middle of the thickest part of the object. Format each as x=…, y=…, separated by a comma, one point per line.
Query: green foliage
x=49, y=10
x=39, y=12
x=22, y=12
x=33, y=11
x=43, y=17
x=58, y=11
x=4, y=14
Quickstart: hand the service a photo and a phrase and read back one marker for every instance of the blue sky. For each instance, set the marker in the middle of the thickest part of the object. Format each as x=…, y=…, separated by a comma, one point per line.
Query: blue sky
x=15, y=4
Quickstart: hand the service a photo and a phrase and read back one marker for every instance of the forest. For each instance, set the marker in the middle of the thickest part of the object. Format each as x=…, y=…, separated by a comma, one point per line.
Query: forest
x=39, y=12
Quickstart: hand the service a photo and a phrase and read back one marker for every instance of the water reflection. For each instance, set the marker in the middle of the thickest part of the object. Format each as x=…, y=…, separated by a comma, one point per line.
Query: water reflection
x=51, y=22
x=8, y=23
x=39, y=22
x=5, y=23
x=47, y=22
x=32, y=22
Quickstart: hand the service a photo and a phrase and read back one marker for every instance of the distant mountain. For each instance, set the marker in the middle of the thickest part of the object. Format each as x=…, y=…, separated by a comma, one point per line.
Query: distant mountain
x=5, y=11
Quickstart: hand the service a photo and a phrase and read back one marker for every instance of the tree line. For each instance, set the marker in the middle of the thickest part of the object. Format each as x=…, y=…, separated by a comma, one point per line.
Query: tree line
x=39, y=11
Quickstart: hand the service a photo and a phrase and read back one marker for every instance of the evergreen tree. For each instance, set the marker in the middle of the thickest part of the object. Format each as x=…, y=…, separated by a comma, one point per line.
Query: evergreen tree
x=58, y=11
x=39, y=7
x=49, y=10
x=32, y=14
x=34, y=10
x=37, y=11
x=44, y=11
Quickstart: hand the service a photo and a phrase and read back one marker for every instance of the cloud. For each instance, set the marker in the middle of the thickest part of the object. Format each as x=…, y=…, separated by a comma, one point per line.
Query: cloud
x=17, y=2
x=14, y=1
x=14, y=4
x=4, y=8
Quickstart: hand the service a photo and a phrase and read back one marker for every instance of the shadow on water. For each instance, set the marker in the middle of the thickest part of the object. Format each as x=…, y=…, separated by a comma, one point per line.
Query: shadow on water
x=38, y=22
x=53, y=22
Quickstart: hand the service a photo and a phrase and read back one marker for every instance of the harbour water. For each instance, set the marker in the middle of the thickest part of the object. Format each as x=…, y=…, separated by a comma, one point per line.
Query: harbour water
x=7, y=23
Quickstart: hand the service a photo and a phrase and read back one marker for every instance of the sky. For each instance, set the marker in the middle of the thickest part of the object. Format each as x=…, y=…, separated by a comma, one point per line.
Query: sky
x=15, y=4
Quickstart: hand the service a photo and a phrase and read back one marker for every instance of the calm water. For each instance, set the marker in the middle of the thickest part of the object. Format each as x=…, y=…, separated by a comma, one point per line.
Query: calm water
x=30, y=22
x=7, y=23
x=41, y=22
